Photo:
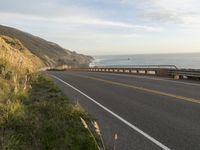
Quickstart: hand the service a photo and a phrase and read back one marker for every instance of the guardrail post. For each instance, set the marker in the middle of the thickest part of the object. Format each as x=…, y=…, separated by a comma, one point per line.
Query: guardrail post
x=133, y=71
x=115, y=70
x=176, y=77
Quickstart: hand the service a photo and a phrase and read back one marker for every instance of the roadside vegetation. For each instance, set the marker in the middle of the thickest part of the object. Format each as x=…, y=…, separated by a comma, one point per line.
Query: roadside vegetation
x=34, y=114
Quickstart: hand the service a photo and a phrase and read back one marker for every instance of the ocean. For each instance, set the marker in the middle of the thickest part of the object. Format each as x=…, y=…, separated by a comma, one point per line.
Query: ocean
x=188, y=61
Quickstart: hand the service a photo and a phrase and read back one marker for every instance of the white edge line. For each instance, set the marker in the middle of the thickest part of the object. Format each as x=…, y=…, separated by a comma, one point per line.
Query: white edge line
x=117, y=116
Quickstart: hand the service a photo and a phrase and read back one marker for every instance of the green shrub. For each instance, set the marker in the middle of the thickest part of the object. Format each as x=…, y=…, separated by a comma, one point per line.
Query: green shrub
x=44, y=120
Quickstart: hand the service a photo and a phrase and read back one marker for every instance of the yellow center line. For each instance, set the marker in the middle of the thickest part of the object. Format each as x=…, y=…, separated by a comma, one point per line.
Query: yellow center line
x=146, y=90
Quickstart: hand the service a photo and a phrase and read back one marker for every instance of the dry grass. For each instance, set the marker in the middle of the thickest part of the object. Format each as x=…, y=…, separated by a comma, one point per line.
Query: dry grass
x=34, y=114
x=16, y=64
x=15, y=55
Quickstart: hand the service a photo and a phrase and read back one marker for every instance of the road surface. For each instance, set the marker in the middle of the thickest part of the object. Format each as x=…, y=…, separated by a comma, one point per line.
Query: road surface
x=147, y=113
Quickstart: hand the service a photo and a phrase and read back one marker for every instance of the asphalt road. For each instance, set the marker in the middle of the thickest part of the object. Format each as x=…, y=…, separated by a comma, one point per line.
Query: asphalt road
x=147, y=113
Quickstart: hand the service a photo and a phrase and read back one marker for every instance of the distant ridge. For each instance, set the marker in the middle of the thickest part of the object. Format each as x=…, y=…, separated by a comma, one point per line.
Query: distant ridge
x=50, y=53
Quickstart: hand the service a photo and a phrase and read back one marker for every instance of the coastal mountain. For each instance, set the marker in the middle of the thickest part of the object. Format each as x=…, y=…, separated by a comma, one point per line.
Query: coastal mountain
x=50, y=53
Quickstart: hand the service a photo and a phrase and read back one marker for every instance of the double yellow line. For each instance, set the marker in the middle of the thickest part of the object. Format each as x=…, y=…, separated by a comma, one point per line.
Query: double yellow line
x=197, y=101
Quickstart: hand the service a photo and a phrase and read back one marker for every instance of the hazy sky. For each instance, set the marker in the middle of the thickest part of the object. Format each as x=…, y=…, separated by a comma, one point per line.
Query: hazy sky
x=109, y=26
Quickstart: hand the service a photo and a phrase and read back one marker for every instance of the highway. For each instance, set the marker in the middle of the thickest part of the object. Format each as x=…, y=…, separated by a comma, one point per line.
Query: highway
x=147, y=113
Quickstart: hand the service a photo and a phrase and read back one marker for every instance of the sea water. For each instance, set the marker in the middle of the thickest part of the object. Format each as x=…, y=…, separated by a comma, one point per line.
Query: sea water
x=189, y=61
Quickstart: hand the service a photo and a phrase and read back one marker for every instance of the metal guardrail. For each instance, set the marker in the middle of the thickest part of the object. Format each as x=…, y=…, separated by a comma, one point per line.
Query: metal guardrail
x=138, y=71
x=139, y=66
x=151, y=70
x=190, y=73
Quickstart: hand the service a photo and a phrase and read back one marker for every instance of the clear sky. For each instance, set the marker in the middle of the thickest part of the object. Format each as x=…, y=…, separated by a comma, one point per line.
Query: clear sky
x=97, y=27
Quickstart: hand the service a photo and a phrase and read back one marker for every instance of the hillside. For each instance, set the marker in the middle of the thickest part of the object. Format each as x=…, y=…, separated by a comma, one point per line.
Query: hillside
x=16, y=62
x=50, y=53
x=34, y=113
x=16, y=56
